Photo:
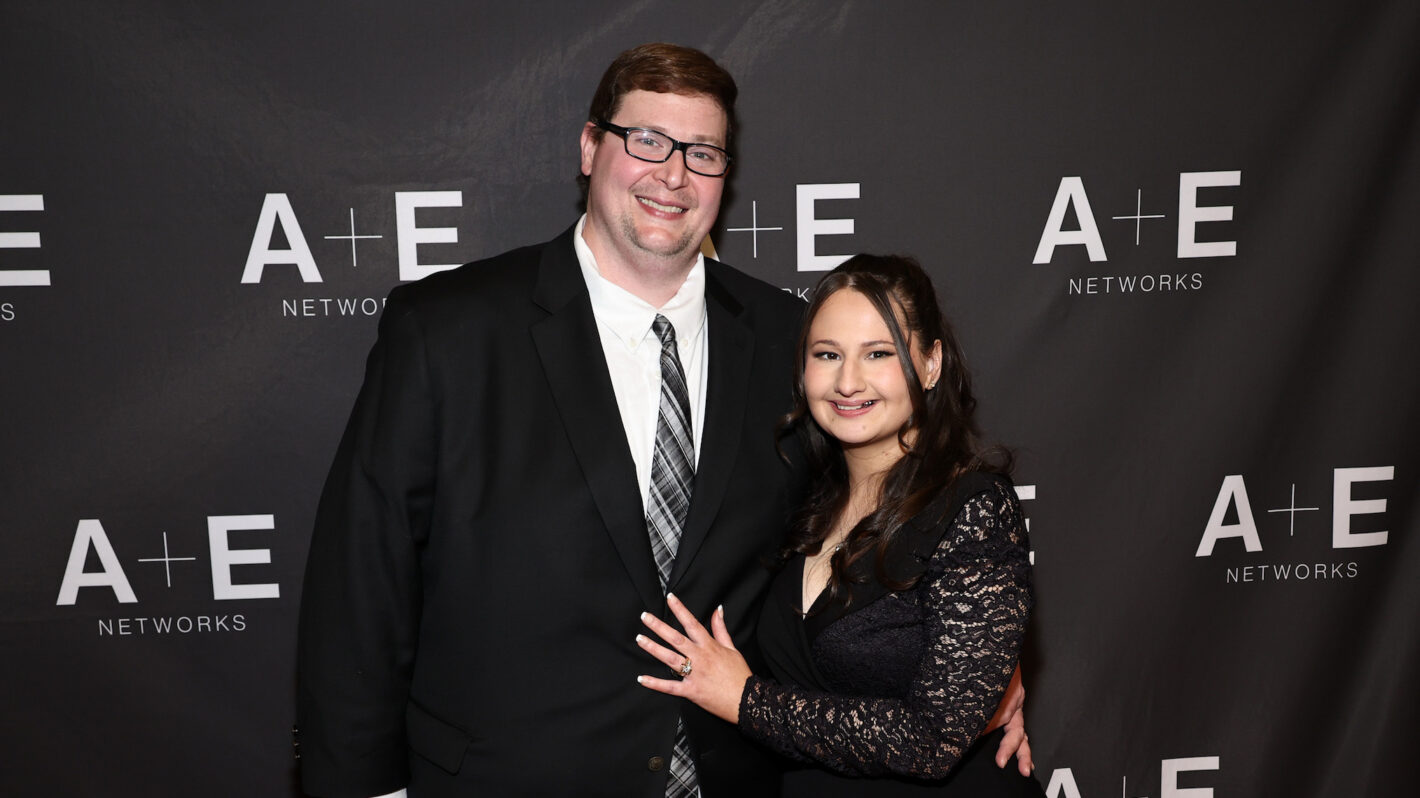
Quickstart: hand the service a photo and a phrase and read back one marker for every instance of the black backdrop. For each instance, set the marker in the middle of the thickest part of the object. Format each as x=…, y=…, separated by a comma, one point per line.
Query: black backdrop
x=1179, y=244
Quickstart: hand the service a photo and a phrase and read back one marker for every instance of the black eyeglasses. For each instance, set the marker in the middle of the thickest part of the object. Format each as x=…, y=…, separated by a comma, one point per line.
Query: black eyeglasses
x=654, y=146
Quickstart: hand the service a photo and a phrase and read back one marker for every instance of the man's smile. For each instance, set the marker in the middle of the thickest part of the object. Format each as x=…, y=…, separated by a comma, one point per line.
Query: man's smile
x=650, y=203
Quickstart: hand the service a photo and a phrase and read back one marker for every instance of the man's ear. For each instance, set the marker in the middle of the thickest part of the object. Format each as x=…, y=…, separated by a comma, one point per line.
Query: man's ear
x=588, y=144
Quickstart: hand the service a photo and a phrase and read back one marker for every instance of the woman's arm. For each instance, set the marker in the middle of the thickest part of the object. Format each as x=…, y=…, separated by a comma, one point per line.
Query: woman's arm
x=977, y=595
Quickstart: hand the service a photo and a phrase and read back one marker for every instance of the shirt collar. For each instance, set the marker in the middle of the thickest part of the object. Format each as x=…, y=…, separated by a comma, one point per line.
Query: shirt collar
x=628, y=316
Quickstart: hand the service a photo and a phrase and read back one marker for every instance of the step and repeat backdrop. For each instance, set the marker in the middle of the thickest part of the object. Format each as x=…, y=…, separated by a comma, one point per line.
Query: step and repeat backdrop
x=1180, y=244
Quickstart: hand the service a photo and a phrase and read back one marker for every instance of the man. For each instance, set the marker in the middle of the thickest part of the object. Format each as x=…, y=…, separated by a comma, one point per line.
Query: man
x=489, y=532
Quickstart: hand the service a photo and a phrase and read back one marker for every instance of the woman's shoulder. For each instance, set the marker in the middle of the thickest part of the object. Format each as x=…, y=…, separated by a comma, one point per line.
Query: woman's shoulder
x=972, y=483
x=980, y=488
x=979, y=506
x=985, y=517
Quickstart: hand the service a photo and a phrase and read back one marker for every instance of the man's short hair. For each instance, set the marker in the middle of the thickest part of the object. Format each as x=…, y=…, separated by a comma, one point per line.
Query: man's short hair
x=665, y=68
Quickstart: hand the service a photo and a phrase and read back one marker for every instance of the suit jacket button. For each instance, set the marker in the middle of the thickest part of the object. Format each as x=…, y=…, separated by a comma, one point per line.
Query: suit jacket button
x=656, y=763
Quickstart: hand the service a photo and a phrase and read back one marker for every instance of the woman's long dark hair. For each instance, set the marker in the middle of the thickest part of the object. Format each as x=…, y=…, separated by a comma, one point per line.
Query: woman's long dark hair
x=940, y=439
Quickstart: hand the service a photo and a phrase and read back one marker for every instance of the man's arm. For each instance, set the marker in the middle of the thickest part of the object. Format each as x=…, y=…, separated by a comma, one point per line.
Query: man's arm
x=360, y=604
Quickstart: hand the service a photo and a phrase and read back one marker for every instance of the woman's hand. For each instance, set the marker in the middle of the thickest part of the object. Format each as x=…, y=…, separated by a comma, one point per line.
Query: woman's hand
x=1011, y=714
x=714, y=672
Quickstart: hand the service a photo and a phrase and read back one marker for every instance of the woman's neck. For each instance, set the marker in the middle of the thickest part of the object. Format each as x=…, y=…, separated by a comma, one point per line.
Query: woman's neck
x=863, y=497
x=865, y=478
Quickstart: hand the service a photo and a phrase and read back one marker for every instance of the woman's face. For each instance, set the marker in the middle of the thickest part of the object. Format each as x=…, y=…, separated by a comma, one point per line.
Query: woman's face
x=853, y=379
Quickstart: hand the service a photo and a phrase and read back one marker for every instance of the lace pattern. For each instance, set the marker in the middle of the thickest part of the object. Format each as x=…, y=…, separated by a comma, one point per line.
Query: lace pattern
x=915, y=674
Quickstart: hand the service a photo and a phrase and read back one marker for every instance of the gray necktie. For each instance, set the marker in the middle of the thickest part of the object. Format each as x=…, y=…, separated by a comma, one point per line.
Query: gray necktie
x=672, y=468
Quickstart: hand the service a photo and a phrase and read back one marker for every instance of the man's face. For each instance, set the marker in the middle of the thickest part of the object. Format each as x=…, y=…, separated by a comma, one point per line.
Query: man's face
x=637, y=209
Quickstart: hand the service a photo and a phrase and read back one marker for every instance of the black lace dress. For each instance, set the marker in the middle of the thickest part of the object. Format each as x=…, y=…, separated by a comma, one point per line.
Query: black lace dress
x=888, y=695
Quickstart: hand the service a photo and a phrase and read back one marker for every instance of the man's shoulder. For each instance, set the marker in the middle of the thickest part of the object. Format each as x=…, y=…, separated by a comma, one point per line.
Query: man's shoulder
x=752, y=291
x=495, y=285
x=490, y=279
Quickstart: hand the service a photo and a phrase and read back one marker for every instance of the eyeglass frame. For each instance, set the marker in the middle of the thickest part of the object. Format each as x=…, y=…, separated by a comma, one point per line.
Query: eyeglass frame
x=683, y=146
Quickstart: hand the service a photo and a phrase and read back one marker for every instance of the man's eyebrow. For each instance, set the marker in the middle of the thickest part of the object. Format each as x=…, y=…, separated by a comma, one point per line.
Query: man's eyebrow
x=712, y=140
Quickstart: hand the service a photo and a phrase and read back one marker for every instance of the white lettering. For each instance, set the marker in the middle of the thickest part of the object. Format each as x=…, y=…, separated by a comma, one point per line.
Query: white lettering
x=810, y=227
x=411, y=235
x=224, y=557
x=1168, y=777
x=21, y=277
x=91, y=533
x=1343, y=507
x=1027, y=493
x=1072, y=189
x=1062, y=784
x=277, y=207
x=162, y=625
x=1234, y=491
x=1189, y=214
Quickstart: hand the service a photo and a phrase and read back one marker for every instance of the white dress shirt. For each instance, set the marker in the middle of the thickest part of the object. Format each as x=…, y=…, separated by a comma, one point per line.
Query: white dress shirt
x=633, y=352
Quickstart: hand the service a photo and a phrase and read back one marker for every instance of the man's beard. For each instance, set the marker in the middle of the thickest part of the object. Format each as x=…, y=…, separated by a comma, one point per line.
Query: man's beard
x=677, y=248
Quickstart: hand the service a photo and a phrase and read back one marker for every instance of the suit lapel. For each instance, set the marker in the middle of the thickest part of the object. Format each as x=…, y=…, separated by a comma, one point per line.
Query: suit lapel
x=569, y=347
x=731, y=358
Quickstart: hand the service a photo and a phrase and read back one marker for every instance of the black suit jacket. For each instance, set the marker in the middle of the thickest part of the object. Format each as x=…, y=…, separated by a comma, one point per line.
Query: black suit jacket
x=480, y=556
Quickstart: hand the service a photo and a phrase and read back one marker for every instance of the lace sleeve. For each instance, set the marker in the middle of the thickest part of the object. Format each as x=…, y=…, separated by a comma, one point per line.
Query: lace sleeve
x=975, y=596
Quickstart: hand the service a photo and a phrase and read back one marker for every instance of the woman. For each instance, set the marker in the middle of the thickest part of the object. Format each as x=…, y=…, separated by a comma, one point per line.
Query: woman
x=896, y=622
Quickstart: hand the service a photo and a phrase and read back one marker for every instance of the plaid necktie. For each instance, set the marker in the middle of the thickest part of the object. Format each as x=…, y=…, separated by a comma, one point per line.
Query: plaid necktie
x=672, y=468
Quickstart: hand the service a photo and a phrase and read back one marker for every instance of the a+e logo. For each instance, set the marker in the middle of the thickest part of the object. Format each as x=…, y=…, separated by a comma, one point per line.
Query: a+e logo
x=1071, y=193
